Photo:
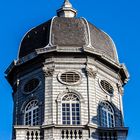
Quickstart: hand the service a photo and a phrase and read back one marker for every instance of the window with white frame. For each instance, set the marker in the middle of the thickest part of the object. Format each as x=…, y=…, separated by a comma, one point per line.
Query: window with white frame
x=70, y=109
x=31, y=113
x=106, y=115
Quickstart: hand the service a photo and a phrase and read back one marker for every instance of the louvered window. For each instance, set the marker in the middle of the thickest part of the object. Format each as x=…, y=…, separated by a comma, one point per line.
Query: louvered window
x=70, y=77
x=107, y=86
x=31, y=85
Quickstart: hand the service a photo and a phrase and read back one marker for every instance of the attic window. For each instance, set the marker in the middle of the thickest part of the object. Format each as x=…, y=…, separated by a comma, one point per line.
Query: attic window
x=31, y=85
x=107, y=87
x=70, y=77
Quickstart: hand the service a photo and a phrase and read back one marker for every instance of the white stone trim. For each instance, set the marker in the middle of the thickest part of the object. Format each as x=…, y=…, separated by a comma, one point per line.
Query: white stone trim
x=59, y=104
x=50, y=38
x=114, y=48
x=69, y=84
x=89, y=36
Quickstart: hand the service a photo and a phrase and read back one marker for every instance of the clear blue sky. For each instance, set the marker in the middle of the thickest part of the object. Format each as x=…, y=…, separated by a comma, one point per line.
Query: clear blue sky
x=119, y=18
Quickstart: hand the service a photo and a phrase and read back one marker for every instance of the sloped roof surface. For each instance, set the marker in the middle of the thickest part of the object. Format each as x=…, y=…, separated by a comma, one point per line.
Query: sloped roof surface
x=72, y=32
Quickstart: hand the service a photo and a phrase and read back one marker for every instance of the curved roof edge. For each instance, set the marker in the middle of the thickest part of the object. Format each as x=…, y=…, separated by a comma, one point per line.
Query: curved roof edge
x=115, y=48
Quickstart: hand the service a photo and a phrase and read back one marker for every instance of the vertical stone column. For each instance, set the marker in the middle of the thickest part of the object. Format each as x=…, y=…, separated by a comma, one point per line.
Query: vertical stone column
x=121, y=91
x=48, y=134
x=93, y=134
x=91, y=75
x=20, y=134
x=57, y=134
x=85, y=135
x=48, y=115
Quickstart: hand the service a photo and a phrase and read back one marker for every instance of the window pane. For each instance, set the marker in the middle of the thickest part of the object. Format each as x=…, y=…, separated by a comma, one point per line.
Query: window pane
x=71, y=111
x=107, y=116
x=31, y=113
x=75, y=114
x=73, y=105
x=66, y=113
x=77, y=105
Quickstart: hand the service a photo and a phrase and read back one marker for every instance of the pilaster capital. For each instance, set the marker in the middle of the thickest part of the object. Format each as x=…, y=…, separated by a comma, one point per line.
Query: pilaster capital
x=120, y=89
x=48, y=71
x=91, y=71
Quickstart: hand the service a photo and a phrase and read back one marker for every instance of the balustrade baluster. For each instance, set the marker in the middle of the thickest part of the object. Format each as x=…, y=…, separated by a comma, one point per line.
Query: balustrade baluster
x=36, y=135
x=32, y=135
x=71, y=134
x=75, y=133
x=62, y=134
x=27, y=135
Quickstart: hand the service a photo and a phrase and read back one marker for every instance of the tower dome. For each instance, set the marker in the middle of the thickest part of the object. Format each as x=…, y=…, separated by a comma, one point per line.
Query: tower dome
x=68, y=32
x=67, y=82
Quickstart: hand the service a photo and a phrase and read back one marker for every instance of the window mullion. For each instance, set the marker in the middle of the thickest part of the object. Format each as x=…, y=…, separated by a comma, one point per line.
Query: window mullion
x=107, y=118
x=32, y=117
x=113, y=120
x=70, y=112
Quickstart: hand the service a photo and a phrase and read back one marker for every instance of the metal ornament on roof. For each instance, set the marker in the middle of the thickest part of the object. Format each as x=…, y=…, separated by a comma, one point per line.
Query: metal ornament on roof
x=66, y=10
x=67, y=4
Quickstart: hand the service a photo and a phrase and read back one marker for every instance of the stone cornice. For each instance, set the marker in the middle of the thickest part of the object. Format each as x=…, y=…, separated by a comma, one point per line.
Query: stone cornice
x=120, y=68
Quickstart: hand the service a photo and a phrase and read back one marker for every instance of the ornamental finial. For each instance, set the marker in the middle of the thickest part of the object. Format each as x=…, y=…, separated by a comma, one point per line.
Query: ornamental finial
x=66, y=10
x=67, y=4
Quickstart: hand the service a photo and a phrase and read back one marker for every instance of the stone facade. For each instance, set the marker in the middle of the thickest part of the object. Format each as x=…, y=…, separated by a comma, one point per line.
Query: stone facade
x=43, y=77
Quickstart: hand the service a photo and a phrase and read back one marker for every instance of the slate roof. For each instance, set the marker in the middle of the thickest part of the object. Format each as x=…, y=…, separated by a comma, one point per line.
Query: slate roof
x=72, y=32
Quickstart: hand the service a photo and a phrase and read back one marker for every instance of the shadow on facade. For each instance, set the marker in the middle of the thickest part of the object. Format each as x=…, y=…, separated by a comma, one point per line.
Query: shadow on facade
x=115, y=132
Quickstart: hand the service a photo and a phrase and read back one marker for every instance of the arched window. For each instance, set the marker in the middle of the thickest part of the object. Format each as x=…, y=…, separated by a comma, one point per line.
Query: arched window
x=70, y=109
x=31, y=113
x=106, y=115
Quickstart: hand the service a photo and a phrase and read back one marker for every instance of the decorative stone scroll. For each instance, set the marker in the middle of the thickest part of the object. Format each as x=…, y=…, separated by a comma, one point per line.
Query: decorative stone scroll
x=120, y=89
x=48, y=71
x=91, y=72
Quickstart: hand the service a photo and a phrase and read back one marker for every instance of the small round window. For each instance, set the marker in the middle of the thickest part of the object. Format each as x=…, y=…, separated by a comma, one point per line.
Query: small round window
x=31, y=85
x=107, y=87
x=69, y=77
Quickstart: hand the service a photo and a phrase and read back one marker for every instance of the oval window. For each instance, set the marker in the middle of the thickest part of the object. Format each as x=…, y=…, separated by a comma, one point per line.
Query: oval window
x=31, y=85
x=107, y=86
x=69, y=77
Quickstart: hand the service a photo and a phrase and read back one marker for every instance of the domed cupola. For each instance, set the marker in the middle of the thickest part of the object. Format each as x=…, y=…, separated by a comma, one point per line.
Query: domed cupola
x=68, y=31
x=67, y=82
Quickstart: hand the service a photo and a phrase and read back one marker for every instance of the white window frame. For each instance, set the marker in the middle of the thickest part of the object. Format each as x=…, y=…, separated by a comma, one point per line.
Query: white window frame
x=70, y=102
x=107, y=115
x=72, y=83
x=30, y=110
